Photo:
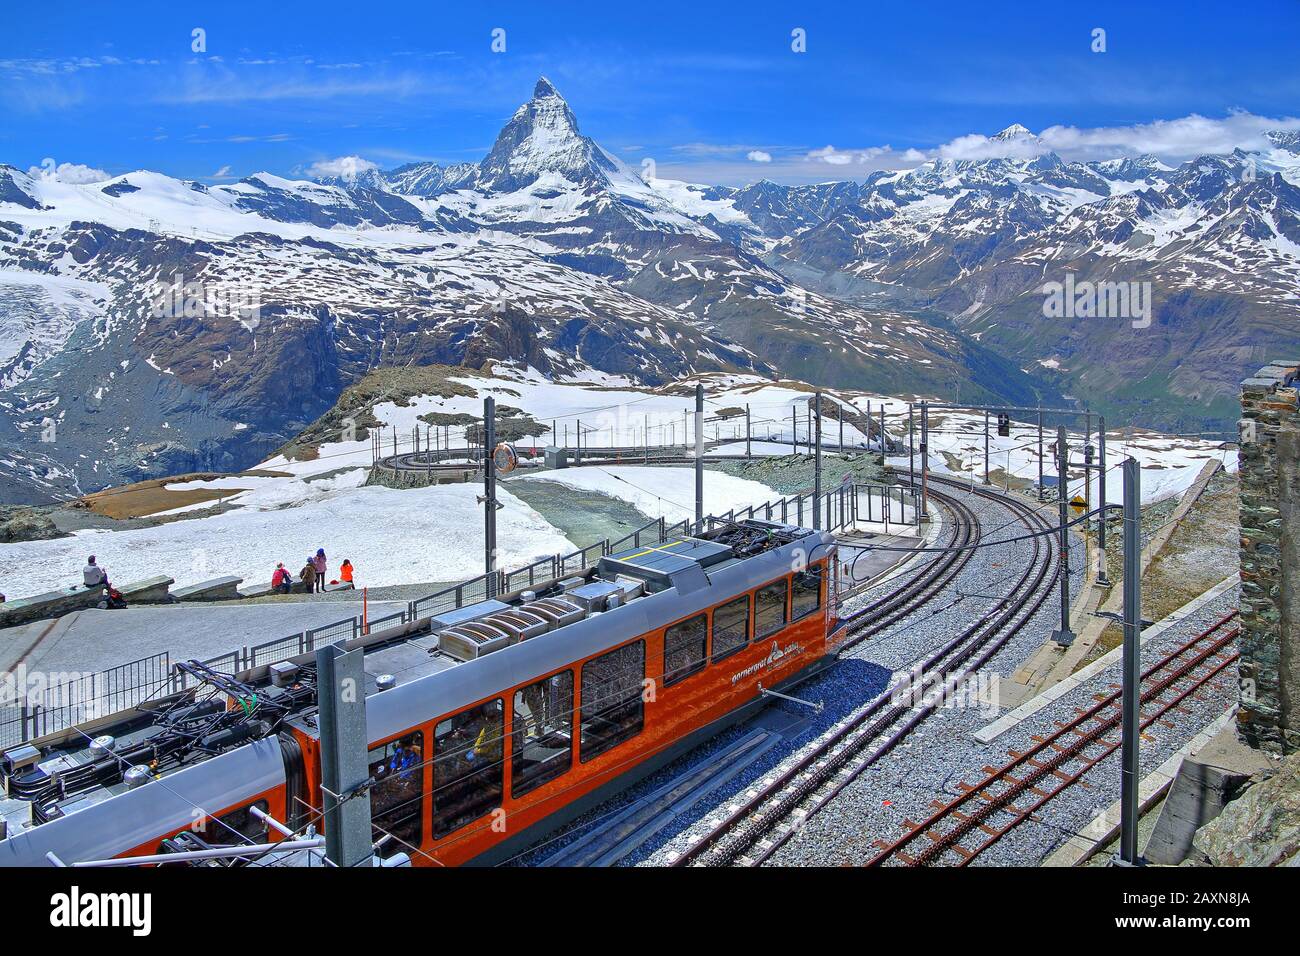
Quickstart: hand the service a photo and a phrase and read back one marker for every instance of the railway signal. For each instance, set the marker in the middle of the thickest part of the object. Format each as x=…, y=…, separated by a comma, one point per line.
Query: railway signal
x=1004, y=425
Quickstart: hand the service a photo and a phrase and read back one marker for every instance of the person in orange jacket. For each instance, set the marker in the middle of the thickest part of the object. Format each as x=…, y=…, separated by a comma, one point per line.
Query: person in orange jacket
x=345, y=571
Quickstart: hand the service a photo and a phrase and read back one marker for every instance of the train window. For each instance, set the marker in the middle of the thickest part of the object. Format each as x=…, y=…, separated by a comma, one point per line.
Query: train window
x=235, y=827
x=397, y=799
x=769, y=609
x=543, y=731
x=730, y=627
x=685, y=648
x=805, y=592
x=612, y=708
x=468, y=766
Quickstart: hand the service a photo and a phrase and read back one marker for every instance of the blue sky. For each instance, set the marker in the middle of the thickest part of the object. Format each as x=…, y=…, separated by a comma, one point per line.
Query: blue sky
x=711, y=92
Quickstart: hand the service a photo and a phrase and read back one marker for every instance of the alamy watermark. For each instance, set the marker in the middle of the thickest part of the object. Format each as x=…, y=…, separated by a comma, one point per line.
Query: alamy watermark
x=196, y=299
x=1102, y=300
x=977, y=691
x=23, y=687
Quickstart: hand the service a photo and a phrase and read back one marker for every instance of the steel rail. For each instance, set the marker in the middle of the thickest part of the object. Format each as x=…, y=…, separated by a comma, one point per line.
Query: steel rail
x=1106, y=714
x=763, y=810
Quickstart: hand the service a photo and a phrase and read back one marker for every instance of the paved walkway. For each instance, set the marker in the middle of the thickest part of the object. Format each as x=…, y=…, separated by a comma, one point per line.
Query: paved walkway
x=93, y=640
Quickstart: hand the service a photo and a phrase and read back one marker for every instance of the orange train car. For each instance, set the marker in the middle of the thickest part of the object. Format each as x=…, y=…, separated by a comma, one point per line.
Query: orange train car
x=490, y=725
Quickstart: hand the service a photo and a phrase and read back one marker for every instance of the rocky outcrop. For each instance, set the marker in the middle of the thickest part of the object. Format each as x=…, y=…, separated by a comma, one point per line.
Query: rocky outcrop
x=1259, y=828
x=26, y=524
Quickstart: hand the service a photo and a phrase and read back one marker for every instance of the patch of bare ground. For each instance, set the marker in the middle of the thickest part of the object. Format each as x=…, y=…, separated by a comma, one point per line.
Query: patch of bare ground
x=1200, y=554
x=150, y=497
x=354, y=411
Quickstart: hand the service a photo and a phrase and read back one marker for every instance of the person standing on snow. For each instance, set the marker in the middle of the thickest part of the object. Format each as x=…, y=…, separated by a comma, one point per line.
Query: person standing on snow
x=318, y=562
x=308, y=576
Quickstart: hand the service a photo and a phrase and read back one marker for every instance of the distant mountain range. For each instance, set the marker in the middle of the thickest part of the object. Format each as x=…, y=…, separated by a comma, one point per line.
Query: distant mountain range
x=553, y=253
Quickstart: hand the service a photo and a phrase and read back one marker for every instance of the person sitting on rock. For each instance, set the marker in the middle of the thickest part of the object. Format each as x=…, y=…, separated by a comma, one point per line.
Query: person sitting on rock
x=281, y=580
x=92, y=575
x=345, y=572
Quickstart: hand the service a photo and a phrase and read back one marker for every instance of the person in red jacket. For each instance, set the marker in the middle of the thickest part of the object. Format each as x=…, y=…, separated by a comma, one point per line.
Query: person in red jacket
x=345, y=571
x=281, y=580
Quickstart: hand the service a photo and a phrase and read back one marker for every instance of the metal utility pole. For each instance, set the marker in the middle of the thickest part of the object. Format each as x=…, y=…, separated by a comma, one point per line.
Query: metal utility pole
x=817, y=467
x=1102, y=578
x=1128, y=848
x=578, y=440
x=882, y=434
x=925, y=459
x=1040, y=455
x=490, y=492
x=645, y=435
x=911, y=448
x=1087, y=468
x=840, y=409
x=749, y=451
x=1063, y=636
x=341, y=696
x=794, y=429
x=986, y=447
x=699, y=455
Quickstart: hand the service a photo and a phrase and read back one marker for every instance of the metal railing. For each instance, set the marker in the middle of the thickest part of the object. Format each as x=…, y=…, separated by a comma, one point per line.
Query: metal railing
x=840, y=508
x=37, y=711
x=121, y=687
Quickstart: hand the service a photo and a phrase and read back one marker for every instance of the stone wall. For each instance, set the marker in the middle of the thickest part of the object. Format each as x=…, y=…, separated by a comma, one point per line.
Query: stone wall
x=400, y=479
x=1269, y=510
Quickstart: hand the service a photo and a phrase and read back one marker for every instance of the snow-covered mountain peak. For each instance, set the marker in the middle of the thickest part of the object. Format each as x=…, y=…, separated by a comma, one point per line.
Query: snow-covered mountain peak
x=1014, y=131
x=543, y=137
x=1288, y=140
x=545, y=88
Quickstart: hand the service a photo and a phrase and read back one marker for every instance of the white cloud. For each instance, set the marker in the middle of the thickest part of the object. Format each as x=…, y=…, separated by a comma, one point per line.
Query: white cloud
x=346, y=167
x=829, y=154
x=1182, y=138
x=222, y=173
x=976, y=146
x=758, y=156
x=1174, y=140
x=74, y=173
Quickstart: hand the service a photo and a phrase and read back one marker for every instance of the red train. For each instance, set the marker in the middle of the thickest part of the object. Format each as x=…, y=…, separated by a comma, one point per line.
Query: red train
x=490, y=725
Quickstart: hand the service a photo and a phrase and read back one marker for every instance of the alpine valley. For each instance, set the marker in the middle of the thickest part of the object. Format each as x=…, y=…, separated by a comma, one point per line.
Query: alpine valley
x=554, y=254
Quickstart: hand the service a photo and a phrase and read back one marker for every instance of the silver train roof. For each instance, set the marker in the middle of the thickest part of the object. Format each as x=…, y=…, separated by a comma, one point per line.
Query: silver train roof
x=131, y=818
x=391, y=712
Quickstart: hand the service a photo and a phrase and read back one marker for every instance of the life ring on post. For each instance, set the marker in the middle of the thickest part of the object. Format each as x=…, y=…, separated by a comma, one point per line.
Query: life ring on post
x=505, y=458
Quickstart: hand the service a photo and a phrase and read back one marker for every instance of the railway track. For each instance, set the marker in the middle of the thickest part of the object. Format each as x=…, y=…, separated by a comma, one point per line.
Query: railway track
x=765, y=817
x=963, y=828
x=934, y=576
